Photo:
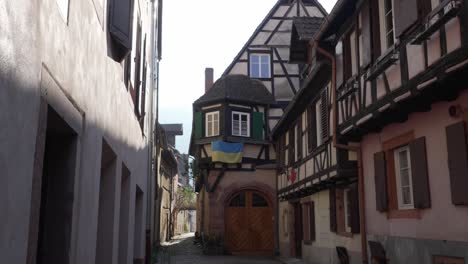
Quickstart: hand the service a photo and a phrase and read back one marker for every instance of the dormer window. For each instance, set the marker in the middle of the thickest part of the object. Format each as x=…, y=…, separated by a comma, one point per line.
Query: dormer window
x=240, y=124
x=212, y=124
x=260, y=66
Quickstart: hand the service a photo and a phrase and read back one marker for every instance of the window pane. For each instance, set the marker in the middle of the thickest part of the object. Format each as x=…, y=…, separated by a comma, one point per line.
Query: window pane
x=244, y=129
x=215, y=128
x=388, y=5
x=406, y=195
x=254, y=71
x=258, y=201
x=405, y=177
x=238, y=201
x=265, y=59
x=235, y=125
x=210, y=129
x=403, y=159
x=265, y=71
x=216, y=116
x=209, y=117
x=254, y=59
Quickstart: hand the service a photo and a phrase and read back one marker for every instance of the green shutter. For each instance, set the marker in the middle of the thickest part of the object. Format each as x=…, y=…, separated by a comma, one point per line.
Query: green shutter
x=258, y=124
x=198, y=120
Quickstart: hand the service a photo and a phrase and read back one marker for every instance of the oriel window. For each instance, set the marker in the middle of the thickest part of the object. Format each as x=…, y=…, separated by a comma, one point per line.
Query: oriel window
x=240, y=124
x=212, y=124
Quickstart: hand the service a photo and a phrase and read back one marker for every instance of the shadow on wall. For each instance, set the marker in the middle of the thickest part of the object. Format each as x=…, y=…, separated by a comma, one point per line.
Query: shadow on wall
x=62, y=174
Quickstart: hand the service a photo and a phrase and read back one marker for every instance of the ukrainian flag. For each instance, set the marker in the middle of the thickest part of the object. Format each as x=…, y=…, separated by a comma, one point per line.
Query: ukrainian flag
x=226, y=152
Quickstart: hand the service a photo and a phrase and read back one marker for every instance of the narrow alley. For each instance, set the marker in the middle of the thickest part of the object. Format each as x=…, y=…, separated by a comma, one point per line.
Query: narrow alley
x=182, y=250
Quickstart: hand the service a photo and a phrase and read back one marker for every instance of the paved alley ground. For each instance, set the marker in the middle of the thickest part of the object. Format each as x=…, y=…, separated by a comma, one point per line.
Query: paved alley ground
x=181, y=250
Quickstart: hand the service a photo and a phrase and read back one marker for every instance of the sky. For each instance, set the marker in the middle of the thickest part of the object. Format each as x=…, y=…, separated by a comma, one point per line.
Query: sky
x=197, y=35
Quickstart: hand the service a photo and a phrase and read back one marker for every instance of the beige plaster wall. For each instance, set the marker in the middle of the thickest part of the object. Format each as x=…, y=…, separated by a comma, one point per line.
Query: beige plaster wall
x=323, y=249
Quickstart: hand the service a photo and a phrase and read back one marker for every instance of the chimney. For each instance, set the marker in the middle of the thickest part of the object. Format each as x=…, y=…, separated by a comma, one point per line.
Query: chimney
x=208, y=79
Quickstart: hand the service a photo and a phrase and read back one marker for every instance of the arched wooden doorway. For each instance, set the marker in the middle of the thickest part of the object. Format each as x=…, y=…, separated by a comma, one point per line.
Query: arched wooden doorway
x=249, y=224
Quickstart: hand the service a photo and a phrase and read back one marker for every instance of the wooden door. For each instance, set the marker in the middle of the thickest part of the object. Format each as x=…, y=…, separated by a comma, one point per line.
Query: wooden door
x=249, y=224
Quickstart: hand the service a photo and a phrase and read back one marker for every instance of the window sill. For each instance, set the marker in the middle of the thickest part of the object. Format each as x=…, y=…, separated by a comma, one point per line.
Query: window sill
x=404, y=214
x=345, y=234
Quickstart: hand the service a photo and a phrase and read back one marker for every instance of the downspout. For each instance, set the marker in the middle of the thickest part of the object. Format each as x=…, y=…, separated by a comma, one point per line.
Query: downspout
x=357, y=149
x=149, y=209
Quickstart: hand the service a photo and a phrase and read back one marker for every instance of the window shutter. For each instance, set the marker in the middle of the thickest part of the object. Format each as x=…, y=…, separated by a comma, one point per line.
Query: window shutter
x=305, y=221
x=312, y=221
x=299, y=138
x=324, y=114
x=311, y=129
x=280, y=148
x=375, y=29
x=421, y=191
x=353, y=199
x=291, y=146
x=380, y=182
x=120, y=23
x=143, y=88
x=137, y=79
x=406, y=14
x=333, y=223
x=198, y=120
x=366, y=34
x=258, y=125
x=458, y=162
x=347, y=58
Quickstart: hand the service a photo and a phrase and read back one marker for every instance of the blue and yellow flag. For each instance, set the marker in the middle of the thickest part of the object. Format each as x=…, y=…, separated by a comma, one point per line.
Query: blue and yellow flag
x=226, y=152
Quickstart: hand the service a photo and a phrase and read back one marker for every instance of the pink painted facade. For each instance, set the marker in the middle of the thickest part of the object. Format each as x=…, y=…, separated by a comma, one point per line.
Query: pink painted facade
x=443, y=221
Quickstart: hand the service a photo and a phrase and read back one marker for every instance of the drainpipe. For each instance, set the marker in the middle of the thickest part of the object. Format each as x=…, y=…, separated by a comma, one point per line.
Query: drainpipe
x=149, y=209
x=357, y=149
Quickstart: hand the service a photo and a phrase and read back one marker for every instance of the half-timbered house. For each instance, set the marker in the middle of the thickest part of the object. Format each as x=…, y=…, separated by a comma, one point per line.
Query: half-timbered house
x=237, y=200
x=400, y=83
x=237, y=193
x=316, y=183
x=265, y=55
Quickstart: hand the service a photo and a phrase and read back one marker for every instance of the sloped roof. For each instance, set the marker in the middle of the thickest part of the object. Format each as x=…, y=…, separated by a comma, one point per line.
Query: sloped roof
x=307, y=26
x=265, y=20
x=176, y=129
x=237, y=88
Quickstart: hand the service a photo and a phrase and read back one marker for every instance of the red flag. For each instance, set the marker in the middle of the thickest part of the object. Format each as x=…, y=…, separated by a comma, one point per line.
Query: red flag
x=292, y=176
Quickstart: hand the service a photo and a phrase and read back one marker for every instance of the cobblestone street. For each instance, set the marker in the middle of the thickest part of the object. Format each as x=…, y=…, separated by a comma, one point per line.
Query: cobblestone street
x=181, y=250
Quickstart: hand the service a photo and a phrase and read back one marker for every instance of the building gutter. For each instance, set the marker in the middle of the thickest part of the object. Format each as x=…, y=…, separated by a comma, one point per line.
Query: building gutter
x=356, y=148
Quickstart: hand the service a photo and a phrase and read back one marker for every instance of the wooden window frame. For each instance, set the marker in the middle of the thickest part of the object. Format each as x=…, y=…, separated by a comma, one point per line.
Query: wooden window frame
x=343, y=226
x=401, y=205
x=240, y=123
x=347, y=210
x=308, y=218
x=388, y=14
x=260, y=55
x=394, y=212
x=214, y=113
